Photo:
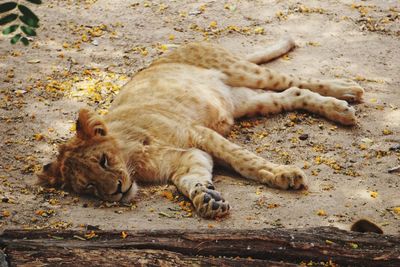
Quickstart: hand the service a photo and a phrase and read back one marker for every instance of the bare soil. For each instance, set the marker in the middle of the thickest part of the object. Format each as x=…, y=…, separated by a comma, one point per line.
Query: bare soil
x=86, y=50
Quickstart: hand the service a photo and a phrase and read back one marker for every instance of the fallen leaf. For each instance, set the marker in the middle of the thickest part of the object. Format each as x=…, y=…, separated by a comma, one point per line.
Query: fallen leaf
x=38, y=136
x=259, y=30
x=396, y=210
x=321, y=213
x=79, y=237
x=353, y=245
x=90, y=235
x=6, y=213
x=213, y=24
x=123, y=235
x=165, y=214
x=386, y=131
x=168, y=195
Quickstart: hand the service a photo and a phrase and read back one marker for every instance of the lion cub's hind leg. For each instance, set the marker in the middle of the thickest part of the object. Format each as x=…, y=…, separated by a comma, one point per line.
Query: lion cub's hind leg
x=244, y=72
x=249, y=103
x=193, y=178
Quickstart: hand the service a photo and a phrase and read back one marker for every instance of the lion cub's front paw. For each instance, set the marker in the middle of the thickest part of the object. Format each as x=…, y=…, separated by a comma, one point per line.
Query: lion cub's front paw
x=289, y=177
x=209, y=203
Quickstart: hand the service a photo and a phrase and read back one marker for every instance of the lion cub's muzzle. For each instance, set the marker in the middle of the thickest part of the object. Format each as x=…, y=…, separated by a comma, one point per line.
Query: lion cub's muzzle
x=119, y=189
x=124, y=192
x=129, y=195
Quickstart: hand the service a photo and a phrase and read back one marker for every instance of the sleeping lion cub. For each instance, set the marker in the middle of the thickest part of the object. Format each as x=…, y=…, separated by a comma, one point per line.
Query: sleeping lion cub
x=168, y=124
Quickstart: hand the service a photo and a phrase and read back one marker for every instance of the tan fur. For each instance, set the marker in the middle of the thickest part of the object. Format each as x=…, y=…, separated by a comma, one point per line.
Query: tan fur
x=167, y=125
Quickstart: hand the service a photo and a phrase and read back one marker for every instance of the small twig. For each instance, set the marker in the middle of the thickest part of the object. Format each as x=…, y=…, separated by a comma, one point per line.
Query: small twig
x=394, y=169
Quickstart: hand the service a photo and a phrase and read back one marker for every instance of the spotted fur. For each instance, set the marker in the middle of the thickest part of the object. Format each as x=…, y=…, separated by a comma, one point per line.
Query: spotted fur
x=168, y=125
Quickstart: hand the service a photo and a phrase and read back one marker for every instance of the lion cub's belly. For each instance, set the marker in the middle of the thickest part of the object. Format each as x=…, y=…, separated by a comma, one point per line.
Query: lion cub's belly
x=187, y=93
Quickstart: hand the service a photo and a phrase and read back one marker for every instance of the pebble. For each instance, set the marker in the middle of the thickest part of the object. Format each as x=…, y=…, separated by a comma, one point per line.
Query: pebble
x=395, y=148
x=303, y=137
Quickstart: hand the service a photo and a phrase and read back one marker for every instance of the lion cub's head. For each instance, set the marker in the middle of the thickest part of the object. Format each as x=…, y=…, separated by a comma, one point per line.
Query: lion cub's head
x=91, y=163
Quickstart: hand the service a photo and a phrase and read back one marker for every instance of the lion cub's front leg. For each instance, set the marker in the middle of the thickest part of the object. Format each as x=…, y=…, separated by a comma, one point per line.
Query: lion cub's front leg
x=248, y=164
x=193, y=178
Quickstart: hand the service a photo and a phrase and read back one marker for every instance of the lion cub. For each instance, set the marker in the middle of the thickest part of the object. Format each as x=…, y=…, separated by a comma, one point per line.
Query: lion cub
x=168, y=124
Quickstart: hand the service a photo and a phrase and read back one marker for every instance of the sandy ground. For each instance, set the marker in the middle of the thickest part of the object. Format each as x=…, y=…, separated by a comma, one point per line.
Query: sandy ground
x=86, y=50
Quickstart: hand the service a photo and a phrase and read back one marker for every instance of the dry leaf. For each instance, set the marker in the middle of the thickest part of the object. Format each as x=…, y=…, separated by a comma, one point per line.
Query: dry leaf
x=321, y=213
x=123, y=235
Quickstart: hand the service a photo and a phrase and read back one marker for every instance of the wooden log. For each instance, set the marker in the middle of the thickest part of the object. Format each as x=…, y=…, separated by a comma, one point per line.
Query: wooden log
x=124, y=257
x=278, y=247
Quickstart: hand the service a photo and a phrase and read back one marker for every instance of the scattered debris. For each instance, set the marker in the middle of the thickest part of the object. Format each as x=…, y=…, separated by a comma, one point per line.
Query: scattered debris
x=394, y=169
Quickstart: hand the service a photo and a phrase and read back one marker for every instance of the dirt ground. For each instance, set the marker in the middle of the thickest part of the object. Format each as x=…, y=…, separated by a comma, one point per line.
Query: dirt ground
x=86, y=50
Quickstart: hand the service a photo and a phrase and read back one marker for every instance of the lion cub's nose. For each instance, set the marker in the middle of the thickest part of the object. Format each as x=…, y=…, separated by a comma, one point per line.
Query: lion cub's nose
x=119, y=188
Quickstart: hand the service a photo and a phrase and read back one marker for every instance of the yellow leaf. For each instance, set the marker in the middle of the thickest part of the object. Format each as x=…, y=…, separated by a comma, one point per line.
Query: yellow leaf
x=353, y=245
x=168, y=195
x=90, y=235
x=85, y=38
x=306, y=165
x=53, y=201
x=163, y=47
x=213, y=24
x=6, y=213
x=72, y=128
x=363, y=146
x=387, y=132
x=321, y=213
x=259, y=30
x=123, y=235
x=202, y=8
x=313, y=43
x=315, y=172
x=396, y=210
x=374, y=194
x=171, y=37
x=41, y=213
x=359, y=78
x=272, y=206
x=38, y=136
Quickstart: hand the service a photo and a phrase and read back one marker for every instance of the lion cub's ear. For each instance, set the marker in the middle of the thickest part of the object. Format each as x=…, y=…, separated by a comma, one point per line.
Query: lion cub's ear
x=50, y=175
x=89, y=124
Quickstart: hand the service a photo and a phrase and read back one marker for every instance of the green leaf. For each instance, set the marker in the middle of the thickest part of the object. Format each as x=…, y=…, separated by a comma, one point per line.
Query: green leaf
x=28, y=31
x=29, y=21
x=27, y=12
x=25, y=41
x=7, y=6
x=10, y=29
x=37, y=2
x=8, y=19
x=16, y=38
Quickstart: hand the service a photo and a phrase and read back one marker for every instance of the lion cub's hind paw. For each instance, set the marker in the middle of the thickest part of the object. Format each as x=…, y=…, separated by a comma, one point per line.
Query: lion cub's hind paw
x=340, y=111
x=347, y=90
x=210, y=204
x=289, y=177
